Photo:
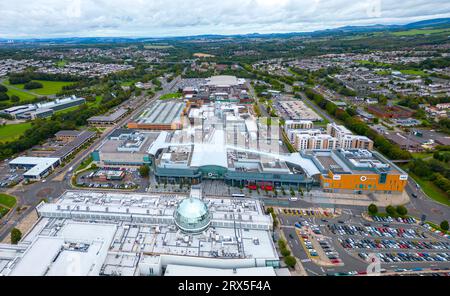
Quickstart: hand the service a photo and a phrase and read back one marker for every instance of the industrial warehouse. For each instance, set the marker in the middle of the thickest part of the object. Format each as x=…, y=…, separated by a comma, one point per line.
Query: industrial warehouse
x=42, y=110
x=142, y=234
x=160, y=116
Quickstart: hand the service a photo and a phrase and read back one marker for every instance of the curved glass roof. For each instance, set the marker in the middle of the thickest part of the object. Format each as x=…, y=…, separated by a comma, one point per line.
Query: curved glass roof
x=192, y=208
x=192, y=215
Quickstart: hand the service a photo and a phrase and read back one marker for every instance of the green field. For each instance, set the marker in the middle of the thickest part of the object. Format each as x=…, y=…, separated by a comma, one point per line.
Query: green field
x=422, y=155
x=170, y=96
x=67, y=110
x=23, y=95
x=7, y=201
x=127, y=83
x=414, y=72
x=421, y=32
x=95, y=103
x=376, y=64
x=61, y=63
x=12, y=132
x=432, y=190
x=3, y=211
x=383, y=72
x=49, y=87
x=155, y=46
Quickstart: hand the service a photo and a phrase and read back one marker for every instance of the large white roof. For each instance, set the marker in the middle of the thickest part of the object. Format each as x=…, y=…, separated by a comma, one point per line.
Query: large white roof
x=209, y=155
x=180, y=270
x=40, y=164
x=223, y=80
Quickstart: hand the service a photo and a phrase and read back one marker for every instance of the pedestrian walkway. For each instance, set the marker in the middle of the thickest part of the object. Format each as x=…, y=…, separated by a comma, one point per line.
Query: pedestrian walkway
x=381, y=200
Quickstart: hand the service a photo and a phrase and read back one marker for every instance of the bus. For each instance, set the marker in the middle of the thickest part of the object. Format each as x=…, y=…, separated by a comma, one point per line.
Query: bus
x=238, y=195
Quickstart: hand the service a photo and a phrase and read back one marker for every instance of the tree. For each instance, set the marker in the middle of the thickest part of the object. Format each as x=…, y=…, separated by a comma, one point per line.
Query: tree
x=285, y=252
x=402, y=211
x=144, y=171
x=15, y=99
x=281, y=244
x=16, y=235
x=444, y=225
x=3, y=88
x=391, y=211
x=290, y=261
x=4, y=96
x=33, y=85
x=373, y=209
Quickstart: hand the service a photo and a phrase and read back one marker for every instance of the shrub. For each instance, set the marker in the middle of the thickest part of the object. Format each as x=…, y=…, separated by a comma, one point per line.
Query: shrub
x=444, y=225
x=16, y=235
x=402, y=211
x=391, y=211
x=373, y=209
x=285, y=252
x=290, y=261
x=33, y=85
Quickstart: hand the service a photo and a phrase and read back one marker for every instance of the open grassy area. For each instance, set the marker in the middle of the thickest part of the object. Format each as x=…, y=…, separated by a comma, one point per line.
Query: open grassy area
x=432, y=190
x=383, y=72
x=84, y=164
x=422, y=155
x=24, y=96
x=3, y=211
x=7, y=201
x=127, y=83
x=49, y=87
x=12, y=132
x=421, y=32
x=74, y=108
x=376, y=64
x=157, y=46
x=414, y=72
x=61, y=63
x=170, y=96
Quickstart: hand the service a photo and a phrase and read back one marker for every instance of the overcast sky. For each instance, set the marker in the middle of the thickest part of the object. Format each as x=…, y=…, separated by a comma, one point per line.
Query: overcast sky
x=155, y=18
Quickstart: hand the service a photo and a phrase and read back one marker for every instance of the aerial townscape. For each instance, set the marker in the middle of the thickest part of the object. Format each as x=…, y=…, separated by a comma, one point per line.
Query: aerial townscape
x=319, y=153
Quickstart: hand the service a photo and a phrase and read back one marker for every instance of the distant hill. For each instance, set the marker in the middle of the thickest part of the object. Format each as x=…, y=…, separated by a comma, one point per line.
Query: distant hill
x=426, y=24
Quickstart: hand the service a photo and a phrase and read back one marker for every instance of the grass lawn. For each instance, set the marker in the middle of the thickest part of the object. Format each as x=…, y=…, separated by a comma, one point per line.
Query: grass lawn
x=156, y=46
x=49, y=87
x=422, y=155
x=420, y=32
x=7, y=201
x=414, y=72
x=61, y=63
x=170, y=96
x=377, y=64
x=24, y=96
x=127, y=83
x=98, y=100
x=3, y=211
x=74, y=108
x=383, y=72
x=432, y=190
x=12, y=132
x=84, y=164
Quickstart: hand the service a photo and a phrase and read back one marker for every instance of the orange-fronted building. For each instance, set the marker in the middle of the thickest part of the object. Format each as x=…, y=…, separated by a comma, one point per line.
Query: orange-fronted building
x=358, y=171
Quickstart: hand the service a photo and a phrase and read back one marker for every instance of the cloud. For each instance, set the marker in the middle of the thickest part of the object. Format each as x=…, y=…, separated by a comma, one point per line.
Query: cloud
x=63, y=18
